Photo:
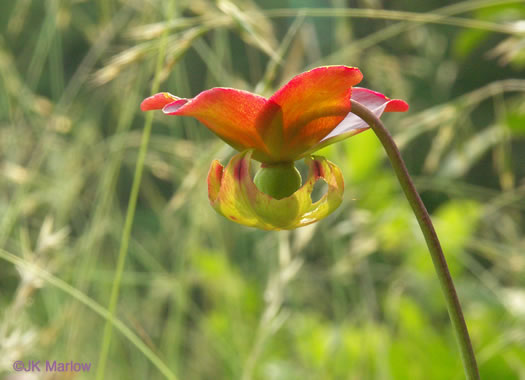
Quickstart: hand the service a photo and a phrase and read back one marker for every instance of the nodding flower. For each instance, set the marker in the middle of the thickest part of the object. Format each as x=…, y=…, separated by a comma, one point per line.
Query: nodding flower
x=308, y=113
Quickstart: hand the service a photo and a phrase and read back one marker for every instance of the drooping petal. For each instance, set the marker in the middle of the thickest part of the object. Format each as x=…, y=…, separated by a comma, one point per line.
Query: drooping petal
x=157, y=101
x=308, y=113
x=231, y=114
x=307, y=108
x=233, y=194
x=353, y=124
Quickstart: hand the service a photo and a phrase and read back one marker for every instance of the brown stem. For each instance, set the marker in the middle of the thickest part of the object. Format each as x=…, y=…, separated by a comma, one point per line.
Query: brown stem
x=431, y=238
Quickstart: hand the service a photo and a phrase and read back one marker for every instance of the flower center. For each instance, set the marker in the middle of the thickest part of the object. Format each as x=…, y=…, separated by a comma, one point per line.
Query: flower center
x=278, y=180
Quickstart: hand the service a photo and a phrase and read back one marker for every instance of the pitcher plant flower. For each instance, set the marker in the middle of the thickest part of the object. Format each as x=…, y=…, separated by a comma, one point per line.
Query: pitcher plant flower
x=313, y=110
x=308, y=113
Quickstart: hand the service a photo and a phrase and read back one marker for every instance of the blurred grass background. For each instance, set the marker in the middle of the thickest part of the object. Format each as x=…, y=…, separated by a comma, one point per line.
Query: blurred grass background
x=351, y=297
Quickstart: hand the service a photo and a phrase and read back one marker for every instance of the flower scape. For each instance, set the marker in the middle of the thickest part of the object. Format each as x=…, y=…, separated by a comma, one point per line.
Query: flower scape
x=311, y=111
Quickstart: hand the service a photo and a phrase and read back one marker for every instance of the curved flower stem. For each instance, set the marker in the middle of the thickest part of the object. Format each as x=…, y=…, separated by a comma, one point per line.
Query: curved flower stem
x=423, y=218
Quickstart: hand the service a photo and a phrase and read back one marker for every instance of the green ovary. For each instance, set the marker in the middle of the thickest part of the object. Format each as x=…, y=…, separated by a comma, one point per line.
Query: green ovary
x=279, y=180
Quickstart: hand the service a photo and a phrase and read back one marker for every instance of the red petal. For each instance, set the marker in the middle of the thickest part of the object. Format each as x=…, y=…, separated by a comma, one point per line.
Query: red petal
x=231, y=114
x=312, y=104
x=157, y=101
x=375, y=100
x=352, y=124
x=396, y=105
